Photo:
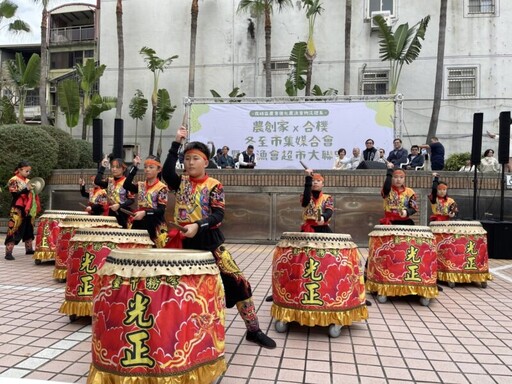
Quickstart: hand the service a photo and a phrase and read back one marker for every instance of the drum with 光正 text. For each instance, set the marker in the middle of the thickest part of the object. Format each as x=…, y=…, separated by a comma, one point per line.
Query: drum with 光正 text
x=158, y=317
x=461, y=252
x=68, y=226
x=317, y=279
x=88, y=250
x=402, y=261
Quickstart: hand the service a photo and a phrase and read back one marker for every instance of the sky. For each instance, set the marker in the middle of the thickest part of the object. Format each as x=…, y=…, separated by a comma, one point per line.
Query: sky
x=30, y=12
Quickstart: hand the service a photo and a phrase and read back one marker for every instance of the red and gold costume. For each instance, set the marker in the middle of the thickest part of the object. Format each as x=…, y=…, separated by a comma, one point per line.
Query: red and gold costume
x=116, y=194
x=441, y=206
x=396, y=200
x=98, y=201
x=316, y=204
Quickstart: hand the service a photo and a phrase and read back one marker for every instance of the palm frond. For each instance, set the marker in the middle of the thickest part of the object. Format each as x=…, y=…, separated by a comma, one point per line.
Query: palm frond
x=69, y=101
x=138, y=105
x=164, y=109
x=299, y=68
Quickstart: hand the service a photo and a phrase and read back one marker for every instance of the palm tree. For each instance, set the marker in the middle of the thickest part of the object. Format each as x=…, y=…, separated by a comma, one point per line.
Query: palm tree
x=194, y=12
x=120, y=58
x=265, y=8
x=44, y=62
x=69, y=102
x=438, y=87
x=138, y=108
x=8, y=11
x=156, y=65
x=23, y=76
x=348, y=27
x=401, y=47
x=164, y=111
x=313, y=9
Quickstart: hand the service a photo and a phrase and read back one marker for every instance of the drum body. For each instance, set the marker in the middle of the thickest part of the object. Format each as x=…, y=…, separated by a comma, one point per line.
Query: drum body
x=68, y=226
x=158, y=314
x=461, y=251
x=47, y=233
x=317, y=279
x=88, y=250
x=402, y=261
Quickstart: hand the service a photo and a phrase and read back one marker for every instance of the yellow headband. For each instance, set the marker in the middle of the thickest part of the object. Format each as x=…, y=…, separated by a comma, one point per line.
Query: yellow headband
x=152, y=162
x=197, y=152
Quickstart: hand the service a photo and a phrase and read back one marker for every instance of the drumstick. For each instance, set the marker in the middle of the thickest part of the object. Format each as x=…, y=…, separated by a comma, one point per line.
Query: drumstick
x=82, y=205
x=127, y=211
x=177, y=226
x=304, y=165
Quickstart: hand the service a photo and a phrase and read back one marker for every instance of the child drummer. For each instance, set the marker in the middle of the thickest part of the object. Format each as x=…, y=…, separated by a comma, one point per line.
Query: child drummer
x=199, y=208
x=443, y=207
x=97, y=198
x=399, y=201
x=318, y=207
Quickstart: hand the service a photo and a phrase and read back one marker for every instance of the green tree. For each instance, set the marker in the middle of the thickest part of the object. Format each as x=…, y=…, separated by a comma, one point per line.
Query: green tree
x=298, y=69
x=234, y=94
x=138, y=109
x=69, y=102
x=265, y=8
x=164, y=111
x=7, y=112
x=156, y=65
x=313, y=9
x=400, y=47
x=7, y=12
x=23, y=77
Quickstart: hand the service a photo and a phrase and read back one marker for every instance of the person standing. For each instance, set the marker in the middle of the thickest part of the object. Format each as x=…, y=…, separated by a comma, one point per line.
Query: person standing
x=24, y=208
x=318, y=207
x=399, y=201
x=200, y=209
x=443, y=207
x=247, y=159
x=97, y=198
x=436, y=154
x=370, y=153
x=508, y=167
x=225, y=161
x=489, y=163
x=398, y=155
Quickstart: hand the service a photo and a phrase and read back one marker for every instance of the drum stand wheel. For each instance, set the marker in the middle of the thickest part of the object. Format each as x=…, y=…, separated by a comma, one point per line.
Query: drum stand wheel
x=281, y=326
x=382, y=299
x=483, y=284
x=425, y=301
x=451, y=284
x=37, y=261
x=335, y=330
x=72, y=318
x=61, y=280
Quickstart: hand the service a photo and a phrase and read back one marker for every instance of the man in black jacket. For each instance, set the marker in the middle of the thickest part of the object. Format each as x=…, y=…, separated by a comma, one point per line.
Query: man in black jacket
x=370, y=153
x=247, y=159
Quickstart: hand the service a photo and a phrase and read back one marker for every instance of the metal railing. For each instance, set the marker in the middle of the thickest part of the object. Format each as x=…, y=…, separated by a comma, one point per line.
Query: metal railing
x=72, y=34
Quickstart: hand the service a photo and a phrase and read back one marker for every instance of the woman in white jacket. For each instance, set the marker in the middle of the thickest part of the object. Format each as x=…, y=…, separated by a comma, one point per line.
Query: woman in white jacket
x=342, y=162
x=489, y=163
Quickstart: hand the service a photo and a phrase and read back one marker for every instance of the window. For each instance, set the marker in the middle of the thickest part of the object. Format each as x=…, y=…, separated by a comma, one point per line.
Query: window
x=375, y=82
x=379, y=6
x=462, y=81
x=481, y=7
x=278, y=65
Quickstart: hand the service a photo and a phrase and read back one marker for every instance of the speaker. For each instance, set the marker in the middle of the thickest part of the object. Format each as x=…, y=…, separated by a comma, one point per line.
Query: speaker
x=97, y=140
x=118, y=139
x=504, y=140
x=499, y=235
x=476, y=144
x=371, y=165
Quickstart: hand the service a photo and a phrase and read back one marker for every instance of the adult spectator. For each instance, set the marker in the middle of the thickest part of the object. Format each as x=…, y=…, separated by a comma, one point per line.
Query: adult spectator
x=356, y=158
x=398, y=155
x=342, y=162
x=226, y=161
x=467, y=167
x=415, y=158
x=436, y=154
x=489, y=163
x=508, y=167
x=370, y=153
x=247, y=159
x=382, y=156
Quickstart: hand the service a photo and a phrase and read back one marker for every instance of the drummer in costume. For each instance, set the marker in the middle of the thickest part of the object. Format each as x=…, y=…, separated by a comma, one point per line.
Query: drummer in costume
x=200, y=209
x=97, y=197
x=443, y=207
x=24, y=208
x=399, y=201
x=151, y=200
x=118, y=197
x=318, y=207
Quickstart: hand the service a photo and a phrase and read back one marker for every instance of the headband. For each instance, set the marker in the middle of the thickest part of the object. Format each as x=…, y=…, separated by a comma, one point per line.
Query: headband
x=25, y=166
x=397, y=171
x=197, y=152
x=317, y=176
x=152, y=162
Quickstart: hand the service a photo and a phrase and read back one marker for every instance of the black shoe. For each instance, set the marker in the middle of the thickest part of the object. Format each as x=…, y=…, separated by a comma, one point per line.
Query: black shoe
x=261, y=339
x=269, y=298
x=29, y=252
x=9, y=256
x=368, y=303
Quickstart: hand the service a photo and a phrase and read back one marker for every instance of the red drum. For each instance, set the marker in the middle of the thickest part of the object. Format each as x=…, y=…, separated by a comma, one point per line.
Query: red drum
x=88, y=250
x=158, y=317
x=317, y=279
x=47, y=233
x=68, y=226
x=402, y=261
x=461, y=252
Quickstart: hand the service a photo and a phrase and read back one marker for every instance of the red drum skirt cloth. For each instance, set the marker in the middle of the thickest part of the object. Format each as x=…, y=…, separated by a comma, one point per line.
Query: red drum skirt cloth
x=88, y=250
x=68, y=226
x=402, y=261
x=48, y=231
x=317, y=279
x=461, y=251
x=158, y=318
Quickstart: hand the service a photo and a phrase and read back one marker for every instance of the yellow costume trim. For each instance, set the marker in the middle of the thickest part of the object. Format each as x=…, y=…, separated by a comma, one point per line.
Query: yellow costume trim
x=79, y=308
x=402, y=290
x=460, y=277
x=203, y=374
x=322, y=318
x=44, y=255
x=60, y=274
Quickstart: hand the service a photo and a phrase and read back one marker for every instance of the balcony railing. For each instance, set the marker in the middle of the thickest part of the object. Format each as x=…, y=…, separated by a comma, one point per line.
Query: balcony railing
x=72, y=34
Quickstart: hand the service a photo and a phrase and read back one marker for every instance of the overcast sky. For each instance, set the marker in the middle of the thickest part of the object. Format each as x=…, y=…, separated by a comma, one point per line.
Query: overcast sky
x=30, y=12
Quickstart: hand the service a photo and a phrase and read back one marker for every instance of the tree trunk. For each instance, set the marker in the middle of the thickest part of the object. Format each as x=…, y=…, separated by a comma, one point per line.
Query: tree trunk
x=193, y=35
x=309, y=75
x=348, y=27
x=268, y=52
x=120, y=57
x=438, y=88
x=43, y=80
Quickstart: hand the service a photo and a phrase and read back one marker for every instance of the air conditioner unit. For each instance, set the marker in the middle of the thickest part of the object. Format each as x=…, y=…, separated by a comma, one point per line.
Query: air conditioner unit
x=385, y=14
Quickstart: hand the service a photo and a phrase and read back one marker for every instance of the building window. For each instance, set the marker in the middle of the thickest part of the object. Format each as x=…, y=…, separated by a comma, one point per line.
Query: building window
x=481, y=7
x=379, y=6
x=278, y=65
x=375, y=82
x=462, y=81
